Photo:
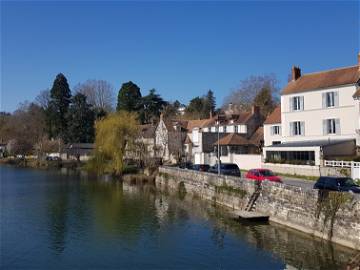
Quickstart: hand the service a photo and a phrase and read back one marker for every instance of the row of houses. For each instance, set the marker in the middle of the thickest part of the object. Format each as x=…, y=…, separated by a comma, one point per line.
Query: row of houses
x=318, y=118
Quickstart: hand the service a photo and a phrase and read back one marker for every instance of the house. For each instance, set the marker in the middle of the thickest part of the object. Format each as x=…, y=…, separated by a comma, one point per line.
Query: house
x=319, y=118
x=78, y=151
x=235, y=134
x=170, y=136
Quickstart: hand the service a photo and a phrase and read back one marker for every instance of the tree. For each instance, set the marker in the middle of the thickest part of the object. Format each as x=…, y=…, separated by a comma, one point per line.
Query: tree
x=80, y=120
x=43, y=99
x=113, y=134
x=243, y=97
x=60, y=96
x=264, y=100
x=129, y=97
x=209, y=103
x=99, y=93
x=151, y=106
x=23, y=128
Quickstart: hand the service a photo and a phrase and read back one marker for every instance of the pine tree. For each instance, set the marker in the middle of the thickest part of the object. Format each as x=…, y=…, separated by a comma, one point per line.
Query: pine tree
x=60, y=96
x=81, y=120
x=129, y=97
x=210, y=102
x=151, y=106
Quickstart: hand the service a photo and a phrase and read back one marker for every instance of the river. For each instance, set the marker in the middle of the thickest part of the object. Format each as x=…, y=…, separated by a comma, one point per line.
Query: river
x=53, y=220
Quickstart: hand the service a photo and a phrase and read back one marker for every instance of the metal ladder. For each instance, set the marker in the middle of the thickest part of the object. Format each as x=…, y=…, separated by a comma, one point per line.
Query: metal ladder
x=252, y=201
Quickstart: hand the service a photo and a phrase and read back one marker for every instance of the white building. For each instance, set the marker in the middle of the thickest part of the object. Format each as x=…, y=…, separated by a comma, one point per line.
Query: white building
x=319, y=117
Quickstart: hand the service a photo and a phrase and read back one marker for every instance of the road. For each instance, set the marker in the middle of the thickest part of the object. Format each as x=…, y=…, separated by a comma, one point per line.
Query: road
x=305, y=184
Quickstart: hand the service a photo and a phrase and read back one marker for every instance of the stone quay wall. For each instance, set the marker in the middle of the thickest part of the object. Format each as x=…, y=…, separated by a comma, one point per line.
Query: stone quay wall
x=333, y=216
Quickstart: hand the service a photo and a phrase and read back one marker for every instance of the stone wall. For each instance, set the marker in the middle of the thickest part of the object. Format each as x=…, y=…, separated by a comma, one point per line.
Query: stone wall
x=331, y=215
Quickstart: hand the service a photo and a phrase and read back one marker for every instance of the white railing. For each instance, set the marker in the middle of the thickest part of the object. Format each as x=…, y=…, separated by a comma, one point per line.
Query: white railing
x=341, y=164
x=355, y=166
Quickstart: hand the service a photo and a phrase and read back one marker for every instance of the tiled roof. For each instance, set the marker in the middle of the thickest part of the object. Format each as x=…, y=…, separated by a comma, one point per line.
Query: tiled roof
x=233, y=139
x=324, y=79
x=200, y=123
x=274, y=117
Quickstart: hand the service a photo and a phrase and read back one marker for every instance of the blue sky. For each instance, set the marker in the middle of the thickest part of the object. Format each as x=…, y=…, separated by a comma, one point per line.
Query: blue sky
x=181, y=49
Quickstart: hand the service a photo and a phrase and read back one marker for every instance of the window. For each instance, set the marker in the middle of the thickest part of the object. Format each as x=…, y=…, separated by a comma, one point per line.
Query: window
x=330, y=99
x=236, y=129
x=331, y=126
x=276, y=142
x=224, y=129
x=275, y=130
x=297, y=128
x=297, y=103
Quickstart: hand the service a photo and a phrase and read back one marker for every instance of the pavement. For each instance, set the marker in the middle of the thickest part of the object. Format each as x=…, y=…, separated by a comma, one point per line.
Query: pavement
x=305, y=184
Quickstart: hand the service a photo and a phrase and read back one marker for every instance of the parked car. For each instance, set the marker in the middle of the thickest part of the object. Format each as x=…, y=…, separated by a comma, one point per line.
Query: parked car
x=263, y=175
x=337, y=184
x=186, y=165
x=201, y=167
x=226, y=169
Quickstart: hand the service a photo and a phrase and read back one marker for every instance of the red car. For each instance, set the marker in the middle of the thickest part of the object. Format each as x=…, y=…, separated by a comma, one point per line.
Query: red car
x=263, y=175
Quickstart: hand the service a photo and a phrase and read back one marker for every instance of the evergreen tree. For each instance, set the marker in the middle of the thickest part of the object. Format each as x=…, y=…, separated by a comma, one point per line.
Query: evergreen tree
x=60, y=96
x=129, y=97
x=81, y=120
x=209, y=103
x=151, y=106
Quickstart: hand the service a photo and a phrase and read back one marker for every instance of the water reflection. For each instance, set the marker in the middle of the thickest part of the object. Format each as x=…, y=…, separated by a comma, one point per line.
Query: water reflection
x=84, y=223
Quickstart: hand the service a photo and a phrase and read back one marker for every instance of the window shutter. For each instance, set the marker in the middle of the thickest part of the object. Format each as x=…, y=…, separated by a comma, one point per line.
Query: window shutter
x=336, y=99
x=325, y=128
x=280, y=130
x=302, y=128
x=337, y=126
x=324, y=100
x=302, y=103
x=272, y=130
x=292, y=129
x=291, y=101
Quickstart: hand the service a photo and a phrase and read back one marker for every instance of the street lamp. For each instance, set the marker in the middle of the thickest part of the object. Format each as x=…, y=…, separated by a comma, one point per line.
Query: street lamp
x=218, y=146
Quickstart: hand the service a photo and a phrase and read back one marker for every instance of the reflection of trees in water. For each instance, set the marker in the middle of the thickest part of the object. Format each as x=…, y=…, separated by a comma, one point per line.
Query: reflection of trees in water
x=58, y=215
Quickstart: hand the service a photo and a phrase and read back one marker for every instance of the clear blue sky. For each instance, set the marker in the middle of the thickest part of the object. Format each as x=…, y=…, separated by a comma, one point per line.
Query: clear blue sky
x=181, y=49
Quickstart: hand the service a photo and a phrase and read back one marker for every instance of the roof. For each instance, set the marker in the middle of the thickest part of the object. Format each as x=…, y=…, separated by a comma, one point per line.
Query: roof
x=147, y=131
x=319, y=143
x=258, y=137
x=188, y=140
x=200, y=123
x=324, y=79
x=274, y=117
x=80, y=146
x=233, y=139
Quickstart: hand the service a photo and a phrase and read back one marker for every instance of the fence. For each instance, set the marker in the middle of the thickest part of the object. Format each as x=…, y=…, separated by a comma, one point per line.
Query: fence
x=355, y=166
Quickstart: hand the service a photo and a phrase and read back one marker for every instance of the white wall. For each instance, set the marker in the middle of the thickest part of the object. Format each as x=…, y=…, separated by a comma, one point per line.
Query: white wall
x=314, y=114
x=268, y=137
x=244, y=162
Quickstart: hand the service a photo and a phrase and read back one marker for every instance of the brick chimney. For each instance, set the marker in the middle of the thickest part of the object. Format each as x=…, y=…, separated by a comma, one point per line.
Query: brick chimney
x=295, y=73
x=255, y=109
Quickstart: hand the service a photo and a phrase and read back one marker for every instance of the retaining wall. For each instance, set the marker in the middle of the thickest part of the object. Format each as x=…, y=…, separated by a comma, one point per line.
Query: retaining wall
x=332, y=215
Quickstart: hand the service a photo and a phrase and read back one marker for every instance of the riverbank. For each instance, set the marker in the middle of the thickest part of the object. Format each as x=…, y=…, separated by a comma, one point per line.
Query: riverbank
x=331, y=216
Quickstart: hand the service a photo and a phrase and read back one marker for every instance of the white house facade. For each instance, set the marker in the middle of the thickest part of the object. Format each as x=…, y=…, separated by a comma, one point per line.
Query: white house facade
x=319, y=117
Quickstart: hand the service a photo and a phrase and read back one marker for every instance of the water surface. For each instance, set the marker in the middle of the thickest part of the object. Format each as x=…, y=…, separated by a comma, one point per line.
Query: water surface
x=51, y=220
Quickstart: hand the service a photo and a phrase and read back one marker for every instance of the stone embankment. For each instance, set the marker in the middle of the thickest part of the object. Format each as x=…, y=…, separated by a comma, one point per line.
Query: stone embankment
x=332, y=216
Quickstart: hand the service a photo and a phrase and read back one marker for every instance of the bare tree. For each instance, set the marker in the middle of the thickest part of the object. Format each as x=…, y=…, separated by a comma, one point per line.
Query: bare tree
x=243, y=97
x=43, y=99
x=99, y=93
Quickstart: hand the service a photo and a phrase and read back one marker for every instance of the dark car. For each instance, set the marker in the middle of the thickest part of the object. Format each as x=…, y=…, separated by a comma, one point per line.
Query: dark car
x=201, y=167
x=226, y=169
x=186, y=165
x=337, y=184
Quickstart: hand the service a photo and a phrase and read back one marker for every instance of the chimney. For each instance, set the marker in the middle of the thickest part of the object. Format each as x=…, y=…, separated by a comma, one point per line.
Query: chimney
x=255, y=109
x=295, y=73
